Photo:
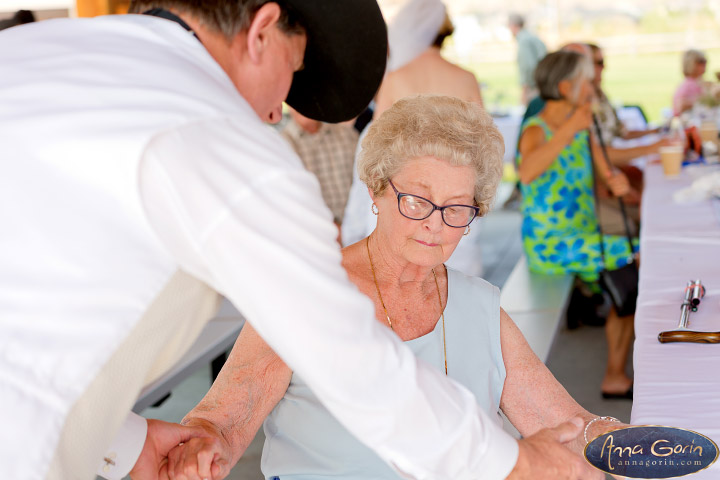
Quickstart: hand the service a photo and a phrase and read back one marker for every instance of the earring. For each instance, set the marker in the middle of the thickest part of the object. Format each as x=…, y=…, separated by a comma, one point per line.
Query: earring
x=467, y=231
x=374, y=209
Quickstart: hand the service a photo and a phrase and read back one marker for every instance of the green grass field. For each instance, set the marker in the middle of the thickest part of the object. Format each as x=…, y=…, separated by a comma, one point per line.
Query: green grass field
x=647, y=80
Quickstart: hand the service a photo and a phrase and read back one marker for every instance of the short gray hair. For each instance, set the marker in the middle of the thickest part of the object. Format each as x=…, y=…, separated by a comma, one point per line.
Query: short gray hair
x=516, y=19
x=447, y=128
x=559, y=66
x=223, y=16
x=689, y=59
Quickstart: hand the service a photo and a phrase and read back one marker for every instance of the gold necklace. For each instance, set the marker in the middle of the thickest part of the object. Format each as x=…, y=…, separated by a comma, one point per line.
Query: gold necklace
x=387, y=316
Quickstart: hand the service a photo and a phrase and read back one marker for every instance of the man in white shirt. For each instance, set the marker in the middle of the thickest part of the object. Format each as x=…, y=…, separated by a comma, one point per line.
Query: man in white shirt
x=135, y=177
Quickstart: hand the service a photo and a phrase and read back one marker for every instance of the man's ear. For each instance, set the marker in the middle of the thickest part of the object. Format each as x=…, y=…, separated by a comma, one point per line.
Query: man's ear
x=260, y=30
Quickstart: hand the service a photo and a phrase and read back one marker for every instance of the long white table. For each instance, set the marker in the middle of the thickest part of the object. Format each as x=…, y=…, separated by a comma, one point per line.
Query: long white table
x=677, y=384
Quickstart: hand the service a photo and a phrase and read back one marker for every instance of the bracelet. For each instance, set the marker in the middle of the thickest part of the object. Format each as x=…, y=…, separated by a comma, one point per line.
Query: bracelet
x=587, y=427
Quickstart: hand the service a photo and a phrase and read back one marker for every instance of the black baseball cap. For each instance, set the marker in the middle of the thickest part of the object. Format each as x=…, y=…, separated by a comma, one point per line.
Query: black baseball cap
x=344, y=59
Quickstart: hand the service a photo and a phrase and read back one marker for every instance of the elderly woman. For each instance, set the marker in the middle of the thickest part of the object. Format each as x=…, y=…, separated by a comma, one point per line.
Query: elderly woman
x=432, y=165
x=691, y=89
x=560, y=227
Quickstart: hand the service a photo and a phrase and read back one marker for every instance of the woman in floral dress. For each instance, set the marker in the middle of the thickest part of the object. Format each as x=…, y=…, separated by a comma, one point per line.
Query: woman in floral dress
x=560, y=233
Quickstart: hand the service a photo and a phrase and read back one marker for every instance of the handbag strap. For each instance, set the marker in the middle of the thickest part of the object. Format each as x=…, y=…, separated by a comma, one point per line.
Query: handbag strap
x=626, y=222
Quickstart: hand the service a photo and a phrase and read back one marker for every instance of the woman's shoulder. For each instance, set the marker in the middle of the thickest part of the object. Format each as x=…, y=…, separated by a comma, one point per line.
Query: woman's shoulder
x=460, y=282
x=354, y=259
x=535, y=121
x=535, y=129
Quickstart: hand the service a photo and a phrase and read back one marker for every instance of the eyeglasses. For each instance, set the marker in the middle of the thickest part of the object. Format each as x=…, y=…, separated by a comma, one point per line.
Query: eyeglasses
x=702, y=61
x=600, y=63
x=419, y=208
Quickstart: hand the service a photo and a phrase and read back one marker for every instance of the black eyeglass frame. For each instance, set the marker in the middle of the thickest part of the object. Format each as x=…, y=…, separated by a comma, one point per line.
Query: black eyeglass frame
x=400, y=195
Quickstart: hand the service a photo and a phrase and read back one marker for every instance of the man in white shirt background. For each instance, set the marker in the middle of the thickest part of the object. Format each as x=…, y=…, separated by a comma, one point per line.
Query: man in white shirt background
x=137, y=181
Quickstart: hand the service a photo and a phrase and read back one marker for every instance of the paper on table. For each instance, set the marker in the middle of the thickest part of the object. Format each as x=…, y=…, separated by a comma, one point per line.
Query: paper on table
x=701, y=189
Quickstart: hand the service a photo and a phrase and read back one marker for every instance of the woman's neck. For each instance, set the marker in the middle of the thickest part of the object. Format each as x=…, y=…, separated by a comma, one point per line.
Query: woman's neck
x=393, y=271
x=556, y=112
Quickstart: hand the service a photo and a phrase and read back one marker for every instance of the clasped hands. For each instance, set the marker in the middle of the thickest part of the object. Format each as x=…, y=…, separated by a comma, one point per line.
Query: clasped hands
x=200, y=452
x=171, y=449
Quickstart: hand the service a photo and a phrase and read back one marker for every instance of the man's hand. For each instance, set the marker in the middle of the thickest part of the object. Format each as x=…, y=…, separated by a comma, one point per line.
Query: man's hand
x=545, y=456
x=204, y=458
x=161, y=438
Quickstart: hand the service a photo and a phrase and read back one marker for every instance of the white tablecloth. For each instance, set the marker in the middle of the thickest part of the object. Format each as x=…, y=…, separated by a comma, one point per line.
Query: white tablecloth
x=677, y=384
x=509, y=126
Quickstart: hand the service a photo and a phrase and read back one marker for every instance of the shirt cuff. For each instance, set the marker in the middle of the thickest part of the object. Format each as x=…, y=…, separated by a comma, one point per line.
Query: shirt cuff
x=123, y=452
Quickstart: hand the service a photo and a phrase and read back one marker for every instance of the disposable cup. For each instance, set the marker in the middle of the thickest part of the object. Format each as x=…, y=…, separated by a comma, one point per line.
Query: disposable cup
x=709, y=132
x=671, y=157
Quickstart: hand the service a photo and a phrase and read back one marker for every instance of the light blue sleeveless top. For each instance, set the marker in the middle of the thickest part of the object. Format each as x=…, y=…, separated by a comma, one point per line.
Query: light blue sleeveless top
x=304, y=441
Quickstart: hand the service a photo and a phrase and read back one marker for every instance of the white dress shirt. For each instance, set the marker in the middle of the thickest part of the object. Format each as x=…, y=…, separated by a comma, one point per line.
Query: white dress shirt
x=127, y=154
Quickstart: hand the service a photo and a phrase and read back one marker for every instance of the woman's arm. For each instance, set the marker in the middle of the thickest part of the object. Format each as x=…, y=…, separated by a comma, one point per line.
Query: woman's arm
x=615, y=180
x=251, y=383
x=532, y=398
x=538, y=154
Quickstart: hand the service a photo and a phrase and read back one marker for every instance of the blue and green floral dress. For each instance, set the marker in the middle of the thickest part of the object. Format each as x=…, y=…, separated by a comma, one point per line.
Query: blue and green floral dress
x=559, y=226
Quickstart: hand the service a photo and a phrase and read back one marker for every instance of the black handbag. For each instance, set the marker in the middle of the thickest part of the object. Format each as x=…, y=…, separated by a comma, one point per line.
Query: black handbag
x=620, y=284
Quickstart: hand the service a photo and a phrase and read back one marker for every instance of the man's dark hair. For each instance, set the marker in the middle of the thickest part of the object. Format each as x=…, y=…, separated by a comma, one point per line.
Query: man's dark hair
x=226, y=17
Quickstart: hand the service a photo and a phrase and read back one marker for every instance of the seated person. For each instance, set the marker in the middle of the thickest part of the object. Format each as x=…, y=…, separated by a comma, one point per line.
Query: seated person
x=560, y=228
x=432, y=165
x=328, y=151
x=694, y=64
x=612, y=128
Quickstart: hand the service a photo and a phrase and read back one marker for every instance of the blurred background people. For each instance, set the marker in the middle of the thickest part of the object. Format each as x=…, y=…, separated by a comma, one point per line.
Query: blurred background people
x=530, y=50
x=694, y=64
x=560, y=230
x=428, y=72
x=611, y=127
x=328, y=151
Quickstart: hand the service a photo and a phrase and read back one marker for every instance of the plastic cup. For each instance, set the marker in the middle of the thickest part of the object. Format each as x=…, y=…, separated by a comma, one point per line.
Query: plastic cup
x=671, y=157
x=709, y=132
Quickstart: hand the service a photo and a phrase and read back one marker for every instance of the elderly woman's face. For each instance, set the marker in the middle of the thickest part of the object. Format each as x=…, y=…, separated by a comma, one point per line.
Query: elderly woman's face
x=427, y=242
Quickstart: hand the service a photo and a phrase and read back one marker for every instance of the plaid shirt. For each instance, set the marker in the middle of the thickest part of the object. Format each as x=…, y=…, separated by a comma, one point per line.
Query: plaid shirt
x=329, y=154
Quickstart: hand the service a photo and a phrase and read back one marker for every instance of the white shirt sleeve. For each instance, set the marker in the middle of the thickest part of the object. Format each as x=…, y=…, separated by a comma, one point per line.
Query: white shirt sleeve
x=232, y=202
x=125, y=448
